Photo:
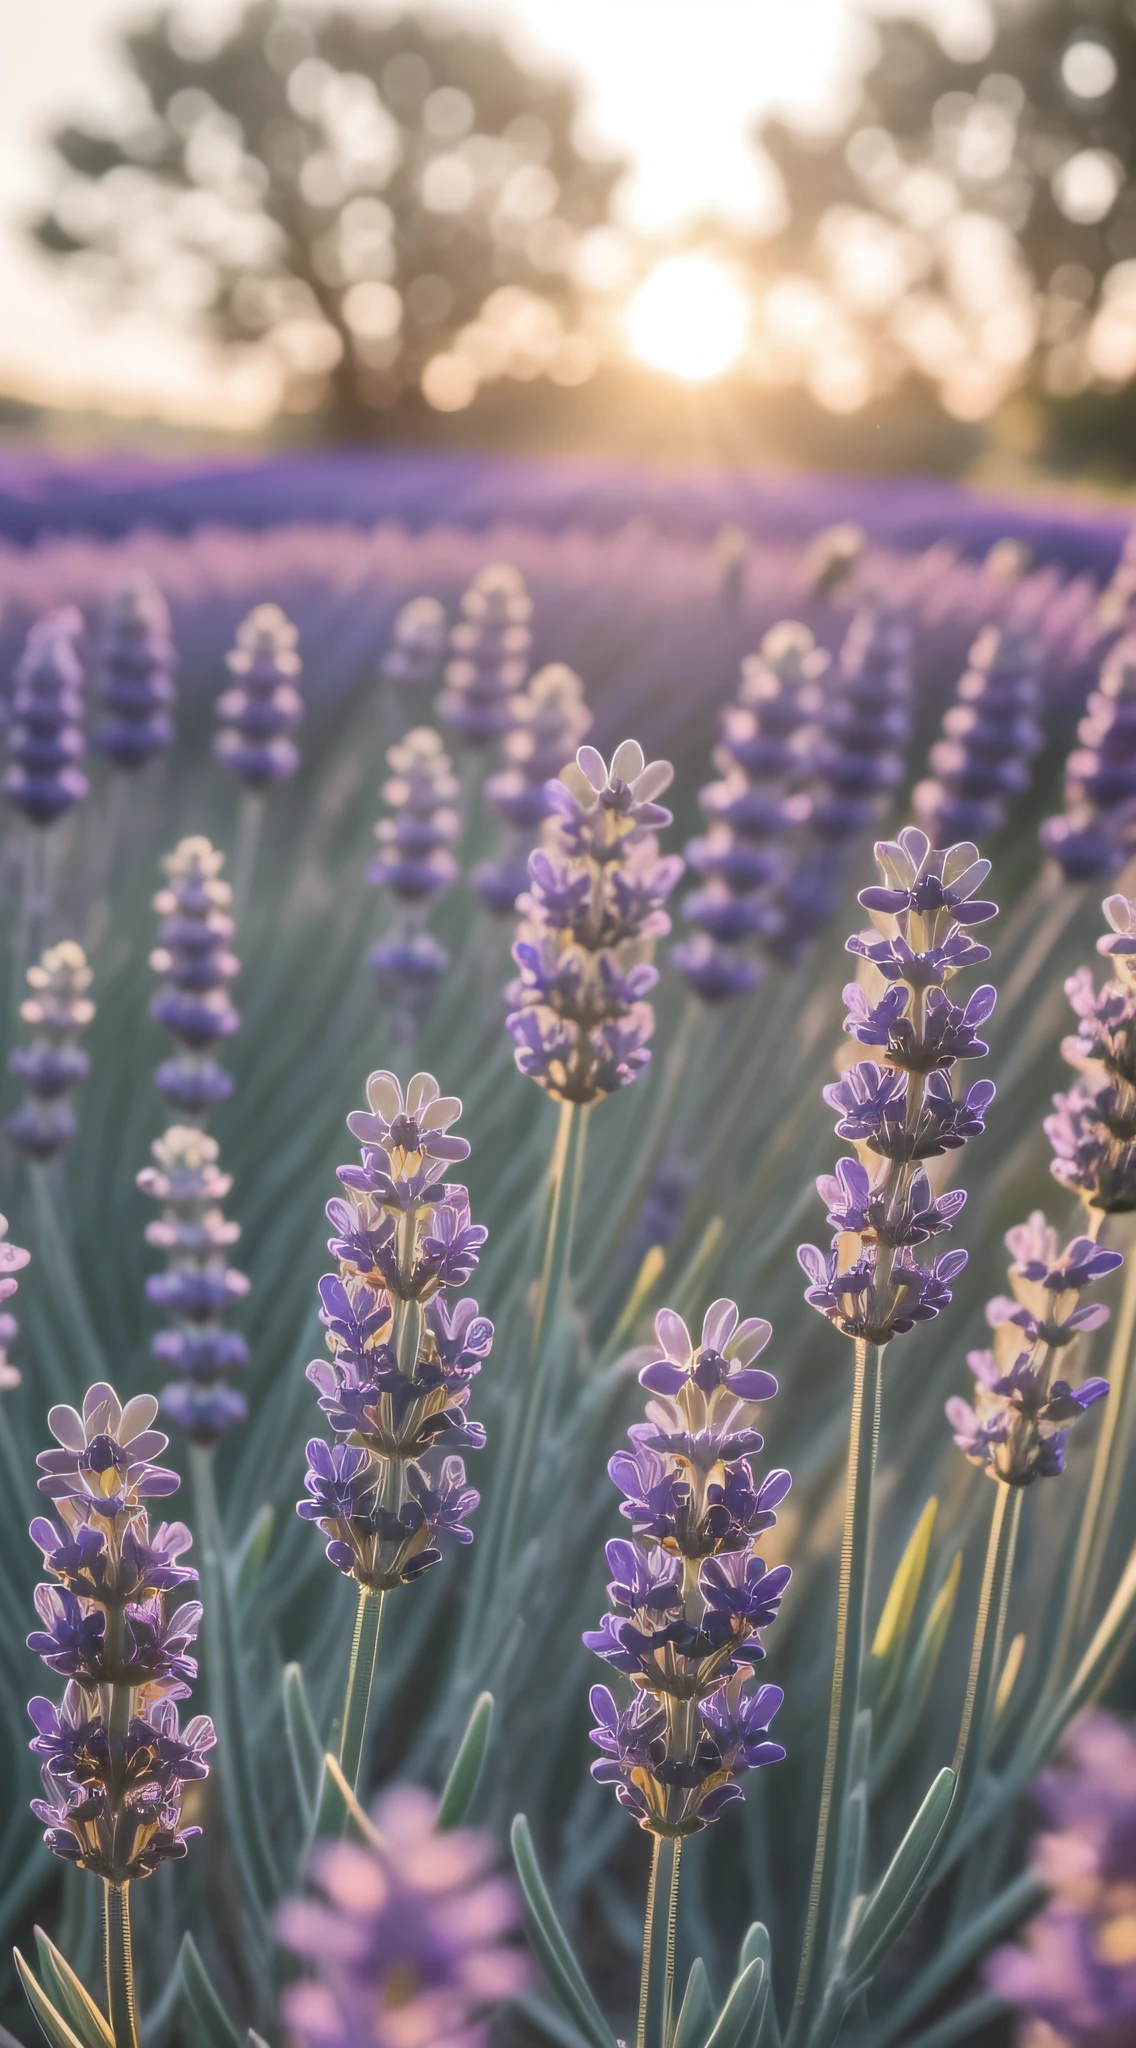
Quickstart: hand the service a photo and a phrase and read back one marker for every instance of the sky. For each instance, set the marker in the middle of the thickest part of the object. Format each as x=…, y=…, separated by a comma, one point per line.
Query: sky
x=674, y=85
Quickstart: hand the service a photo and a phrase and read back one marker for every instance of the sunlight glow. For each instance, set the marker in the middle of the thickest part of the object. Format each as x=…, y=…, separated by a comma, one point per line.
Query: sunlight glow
x=689, y=317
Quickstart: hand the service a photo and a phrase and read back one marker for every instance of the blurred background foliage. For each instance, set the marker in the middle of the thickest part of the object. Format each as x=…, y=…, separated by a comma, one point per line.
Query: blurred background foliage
x=403, y=231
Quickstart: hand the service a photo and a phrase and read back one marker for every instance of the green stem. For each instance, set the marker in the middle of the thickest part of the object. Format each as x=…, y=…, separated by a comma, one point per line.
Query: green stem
x=250, y=820
x=850, y=1632
x=1099, y=1512
x=986, y=1649
x=648, y=1930
x=360, y=1679
x=674, y=1848
x=119, y=1966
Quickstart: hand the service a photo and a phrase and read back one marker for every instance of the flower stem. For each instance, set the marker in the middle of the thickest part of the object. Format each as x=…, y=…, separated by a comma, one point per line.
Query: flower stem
x=360, y=1680
x=674, y=1848
x=648, y=1930
x=850, y=1628
x=249, y=822
x=119, y=1966
x=986, y=1649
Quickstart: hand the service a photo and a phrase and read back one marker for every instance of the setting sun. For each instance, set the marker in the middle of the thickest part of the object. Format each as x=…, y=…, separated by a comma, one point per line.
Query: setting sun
x=689, y=317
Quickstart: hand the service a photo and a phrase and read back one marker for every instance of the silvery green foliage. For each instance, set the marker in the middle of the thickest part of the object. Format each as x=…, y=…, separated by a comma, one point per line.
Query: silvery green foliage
x=639, y=616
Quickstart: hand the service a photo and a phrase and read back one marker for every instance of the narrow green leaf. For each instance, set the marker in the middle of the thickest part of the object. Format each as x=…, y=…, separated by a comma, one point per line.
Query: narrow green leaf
x=883, y=1663
x=304, y=1745
x=895, y=1893
x=551, y=2021
x=70, y=1996
x=757, y=1946
x=919, y=1676
x=740, y=2014
x=960, y=2024
x=550, y=1944
x=53, y=2024
x=252, y=1552
x=696, y=2014
x=466, y=1767
x=204, y=2005
x=1006, y=1911
x=256, y=2040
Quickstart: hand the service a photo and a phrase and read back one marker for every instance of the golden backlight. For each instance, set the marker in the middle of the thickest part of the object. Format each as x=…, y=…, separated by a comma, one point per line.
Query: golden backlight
x=690, y=317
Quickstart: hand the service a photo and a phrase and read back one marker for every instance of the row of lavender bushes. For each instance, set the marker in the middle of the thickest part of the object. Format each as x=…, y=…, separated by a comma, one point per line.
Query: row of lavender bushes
x=691, y=1133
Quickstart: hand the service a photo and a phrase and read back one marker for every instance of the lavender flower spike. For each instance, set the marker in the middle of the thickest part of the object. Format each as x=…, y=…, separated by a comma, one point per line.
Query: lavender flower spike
x=58, y=1011
x=1094, y=835
x=137, y=662
x=403, y=1352
x=407, y=1936
x=45, y=741
x=990, y=736
x=13, y=1259
x=415, y=863
x=550, y=718
x=198, y=1287
x=193, y=955
x=1021, y=1416
x=690, y=1592
x=418, y=639
x=900, y=1109
x=1093, y=1128
x=114, y=1760
x=1075, y=1978
x=257, y=717
x=489, y=657
x=589, y=921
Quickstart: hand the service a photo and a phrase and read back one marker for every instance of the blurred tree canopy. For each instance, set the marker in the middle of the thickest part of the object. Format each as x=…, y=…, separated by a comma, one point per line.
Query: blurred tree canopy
x=387, y=204
x=973, y=223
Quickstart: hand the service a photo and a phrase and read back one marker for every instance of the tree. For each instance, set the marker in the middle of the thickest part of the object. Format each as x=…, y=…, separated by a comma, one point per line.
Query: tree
x=385, y=204
x=973, y=223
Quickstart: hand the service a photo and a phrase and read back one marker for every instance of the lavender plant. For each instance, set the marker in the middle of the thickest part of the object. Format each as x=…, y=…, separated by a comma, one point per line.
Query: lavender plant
x=257, y=716
x=45, y=737
x=488, y=658
x=137, y=661
x=198, y=1287
x=194, y=959
x=550, y=719
x=1088, y=839
x=753, y=813
x=416, y=863
x=990, y=737
x=13, y=1259
x=396, y=1387
x=408, y=1936
x=115, y=1761
x=412, y=663
x=53, y=1065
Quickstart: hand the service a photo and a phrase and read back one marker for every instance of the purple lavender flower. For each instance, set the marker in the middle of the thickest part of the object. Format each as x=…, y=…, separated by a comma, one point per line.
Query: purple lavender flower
x=1093, y=1127
x=408, y=1936
x=550, y=719
x=12, y=1260
x=902, y=1109
x=1021, y=1415
x=45, y=739
x=752, y=813
x=114, y=1760
x=194, y=958
x=58, y=1010
x=691, y=1593
x=198, y=1287
x=136, y=661
x=990, y=736
x=856, y=763
x=1094, y=834
x=416, y=864
x=589, y=919
x=257, y=717
x=413, y=661
x=396, y=1387
x=1075, y=1978
x=489, y=657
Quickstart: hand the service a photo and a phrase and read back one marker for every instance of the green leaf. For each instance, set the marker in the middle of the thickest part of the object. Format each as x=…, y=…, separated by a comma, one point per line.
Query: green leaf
x=53, y=2024
x=895, y=1894
x=70, y=1996
x=883, y=1664
x=744, y=2007
x=466, y=1767
x=549, y=2019
x=550, y=1944
x=256, y=2040
x=756, y=1945
x=217, y=2029
x=919, y=1676
x=963, y=2022
x=696, y=2014
x=252, y=1552
x=304, y=1745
